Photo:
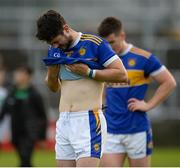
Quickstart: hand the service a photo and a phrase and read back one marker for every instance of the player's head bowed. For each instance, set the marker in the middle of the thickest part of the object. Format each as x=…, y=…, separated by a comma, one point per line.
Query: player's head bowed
x=52, y=28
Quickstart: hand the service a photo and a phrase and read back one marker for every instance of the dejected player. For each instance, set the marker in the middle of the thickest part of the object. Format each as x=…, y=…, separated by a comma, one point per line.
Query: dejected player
x=129, y=129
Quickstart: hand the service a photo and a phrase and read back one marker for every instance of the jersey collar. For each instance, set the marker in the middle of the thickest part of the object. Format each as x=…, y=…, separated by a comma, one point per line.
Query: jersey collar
x=127, y=50
x=76, y=41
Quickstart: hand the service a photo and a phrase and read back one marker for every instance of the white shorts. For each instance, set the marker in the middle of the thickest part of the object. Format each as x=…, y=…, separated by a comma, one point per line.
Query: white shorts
x=80, y=134
x=136, y=146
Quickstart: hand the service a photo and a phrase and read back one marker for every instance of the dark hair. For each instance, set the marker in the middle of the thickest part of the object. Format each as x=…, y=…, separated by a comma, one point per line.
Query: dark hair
x=49, y=25
x=108, y=26
x=26, y=69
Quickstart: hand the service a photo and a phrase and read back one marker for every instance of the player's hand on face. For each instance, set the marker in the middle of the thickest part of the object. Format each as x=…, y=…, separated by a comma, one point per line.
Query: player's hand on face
x=79, y=68
x=135, y=104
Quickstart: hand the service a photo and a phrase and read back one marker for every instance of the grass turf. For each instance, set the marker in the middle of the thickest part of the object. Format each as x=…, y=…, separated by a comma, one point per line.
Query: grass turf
x=162, y=157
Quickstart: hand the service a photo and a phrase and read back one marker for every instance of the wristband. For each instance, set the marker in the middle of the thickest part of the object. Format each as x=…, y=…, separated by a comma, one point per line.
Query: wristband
x=91, y=73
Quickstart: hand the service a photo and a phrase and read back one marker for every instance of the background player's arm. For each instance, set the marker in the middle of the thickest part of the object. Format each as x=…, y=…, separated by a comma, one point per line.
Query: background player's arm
x=166, y=83
x=52, y=78
x=114, y=72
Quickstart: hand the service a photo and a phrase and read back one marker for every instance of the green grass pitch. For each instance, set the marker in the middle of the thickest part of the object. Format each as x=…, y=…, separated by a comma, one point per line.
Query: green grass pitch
x=162, y=157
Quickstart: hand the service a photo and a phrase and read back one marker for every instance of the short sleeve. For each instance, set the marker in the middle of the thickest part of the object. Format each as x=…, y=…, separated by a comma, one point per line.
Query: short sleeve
x=106, y=55
x=153, y=66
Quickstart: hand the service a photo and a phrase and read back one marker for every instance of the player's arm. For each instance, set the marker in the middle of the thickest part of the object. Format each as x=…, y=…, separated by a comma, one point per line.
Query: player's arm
x=114, y=71
x=52, y=78
x=166, y=83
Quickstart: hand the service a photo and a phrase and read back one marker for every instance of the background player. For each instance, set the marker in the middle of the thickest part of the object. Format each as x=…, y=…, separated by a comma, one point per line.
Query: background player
x=129, y=130
x=81, y=128
x=26, y=108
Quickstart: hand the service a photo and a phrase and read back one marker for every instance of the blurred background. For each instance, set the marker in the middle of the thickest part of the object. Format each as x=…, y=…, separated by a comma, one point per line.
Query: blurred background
x=150, y=24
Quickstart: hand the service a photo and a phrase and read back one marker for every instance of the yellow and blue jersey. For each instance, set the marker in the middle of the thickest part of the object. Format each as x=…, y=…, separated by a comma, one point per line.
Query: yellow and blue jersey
x=140, y=65
x=88, y=49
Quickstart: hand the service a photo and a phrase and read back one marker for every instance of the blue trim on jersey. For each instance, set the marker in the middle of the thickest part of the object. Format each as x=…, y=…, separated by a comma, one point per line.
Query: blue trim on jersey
x=95, y=136
x=149, y=147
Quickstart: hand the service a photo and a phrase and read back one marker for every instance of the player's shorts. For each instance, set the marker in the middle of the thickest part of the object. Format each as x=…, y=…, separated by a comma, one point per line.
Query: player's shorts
x=136, y=146
x=80, y=134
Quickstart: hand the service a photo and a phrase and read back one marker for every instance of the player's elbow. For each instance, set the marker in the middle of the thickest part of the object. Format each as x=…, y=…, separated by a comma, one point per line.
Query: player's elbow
x=125, y=77
x=53, y=89
x=122, y=76
x=172, y=84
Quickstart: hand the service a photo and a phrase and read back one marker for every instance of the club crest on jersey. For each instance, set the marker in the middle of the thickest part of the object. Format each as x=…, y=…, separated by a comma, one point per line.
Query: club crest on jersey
x=82, y=51
x=96, y=147
x=132, y=62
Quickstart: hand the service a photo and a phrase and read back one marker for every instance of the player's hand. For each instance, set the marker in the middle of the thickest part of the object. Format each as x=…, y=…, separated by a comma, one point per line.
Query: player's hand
x=135, y=104
x=81, y=69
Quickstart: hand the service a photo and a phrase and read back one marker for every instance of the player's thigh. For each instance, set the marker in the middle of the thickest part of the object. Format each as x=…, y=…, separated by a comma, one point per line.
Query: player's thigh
x=143, y=162
x=112, y=160
x=63, y=148
x=139, y=148
x=114, y=154
x=89, y=142
x=66, y=163
x=88, y=162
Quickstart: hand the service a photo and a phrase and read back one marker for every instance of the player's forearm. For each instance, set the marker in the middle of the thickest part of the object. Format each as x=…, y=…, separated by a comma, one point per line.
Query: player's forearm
x=52, y=78
x=163, y=91
x=53, y=84
x=111, y=75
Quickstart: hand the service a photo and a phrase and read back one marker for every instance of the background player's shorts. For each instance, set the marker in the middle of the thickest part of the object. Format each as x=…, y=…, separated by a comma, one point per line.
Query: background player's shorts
x=137, y=145
x=80, y=134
